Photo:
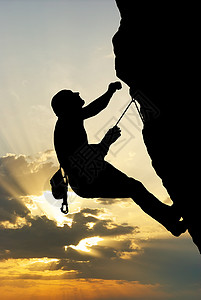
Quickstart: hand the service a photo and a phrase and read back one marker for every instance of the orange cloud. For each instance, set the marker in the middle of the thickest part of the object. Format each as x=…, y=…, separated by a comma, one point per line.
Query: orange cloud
x=80, y=289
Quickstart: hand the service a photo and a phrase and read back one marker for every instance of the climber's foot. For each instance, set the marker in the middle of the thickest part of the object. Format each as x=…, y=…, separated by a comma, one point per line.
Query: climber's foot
x=172, y=222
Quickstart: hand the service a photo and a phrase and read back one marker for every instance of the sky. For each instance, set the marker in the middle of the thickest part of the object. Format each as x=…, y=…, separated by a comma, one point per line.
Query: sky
x=104, y=248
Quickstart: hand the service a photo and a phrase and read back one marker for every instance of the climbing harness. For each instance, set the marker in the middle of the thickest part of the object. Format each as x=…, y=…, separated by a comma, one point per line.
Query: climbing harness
x=59, y=186
x=132, y=101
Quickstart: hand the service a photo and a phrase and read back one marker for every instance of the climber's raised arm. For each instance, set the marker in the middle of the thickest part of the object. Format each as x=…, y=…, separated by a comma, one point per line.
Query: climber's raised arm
x=99, y=104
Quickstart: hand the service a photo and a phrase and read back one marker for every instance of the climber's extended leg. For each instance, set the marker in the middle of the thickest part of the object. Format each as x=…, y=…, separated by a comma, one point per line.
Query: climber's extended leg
x=164, y=214
x=112, y=183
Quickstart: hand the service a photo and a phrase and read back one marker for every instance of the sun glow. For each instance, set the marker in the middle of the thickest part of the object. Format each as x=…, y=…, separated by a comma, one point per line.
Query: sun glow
x=47, y=205
x=86, y=244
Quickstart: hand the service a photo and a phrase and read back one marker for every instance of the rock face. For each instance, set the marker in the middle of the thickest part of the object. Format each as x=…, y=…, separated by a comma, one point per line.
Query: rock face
x=155, y=55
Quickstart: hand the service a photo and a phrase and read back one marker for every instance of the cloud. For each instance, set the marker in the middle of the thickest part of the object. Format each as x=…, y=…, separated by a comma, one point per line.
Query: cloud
x=169, y=263
x=11, y=209
x=110, y=201
x=41, y=237
x=77, y=289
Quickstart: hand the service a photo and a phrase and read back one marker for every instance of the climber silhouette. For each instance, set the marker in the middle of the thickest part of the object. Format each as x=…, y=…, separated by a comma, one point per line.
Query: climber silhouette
x=88, y=173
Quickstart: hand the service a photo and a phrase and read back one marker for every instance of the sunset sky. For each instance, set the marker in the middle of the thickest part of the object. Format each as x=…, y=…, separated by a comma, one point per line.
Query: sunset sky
x=104, y=248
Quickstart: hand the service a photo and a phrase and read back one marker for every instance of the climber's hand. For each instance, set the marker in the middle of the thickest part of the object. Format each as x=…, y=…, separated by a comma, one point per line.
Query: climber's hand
x=113, y=86
x=112, y=135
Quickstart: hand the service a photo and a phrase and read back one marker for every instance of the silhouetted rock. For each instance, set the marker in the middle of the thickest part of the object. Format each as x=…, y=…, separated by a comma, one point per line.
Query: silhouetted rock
x=155, y=49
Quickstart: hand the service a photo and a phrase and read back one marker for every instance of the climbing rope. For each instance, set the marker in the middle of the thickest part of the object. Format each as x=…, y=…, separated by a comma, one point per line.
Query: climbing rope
x=139, y=112
x=132, y=101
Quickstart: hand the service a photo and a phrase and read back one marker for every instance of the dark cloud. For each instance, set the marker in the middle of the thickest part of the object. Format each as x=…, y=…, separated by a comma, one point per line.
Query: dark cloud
x=172, y=259
x=170, y=263
x=11, y=209
x=41, y=237
x=102, y=227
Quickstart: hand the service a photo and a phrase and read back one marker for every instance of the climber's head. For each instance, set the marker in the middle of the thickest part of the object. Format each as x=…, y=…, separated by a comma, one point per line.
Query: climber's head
x=66, y=101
